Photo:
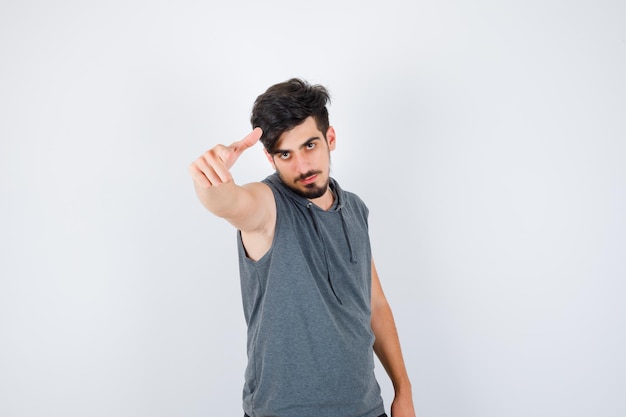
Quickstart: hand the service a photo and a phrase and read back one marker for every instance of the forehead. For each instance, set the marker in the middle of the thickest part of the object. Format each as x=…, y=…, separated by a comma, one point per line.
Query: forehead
x=298, y=135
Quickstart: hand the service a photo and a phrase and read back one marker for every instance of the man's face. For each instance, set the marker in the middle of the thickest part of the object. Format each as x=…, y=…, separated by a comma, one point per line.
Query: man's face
x=302, y=159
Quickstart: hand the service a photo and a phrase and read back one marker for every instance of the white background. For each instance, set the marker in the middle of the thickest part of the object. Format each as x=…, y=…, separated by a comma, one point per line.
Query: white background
x=488, y=139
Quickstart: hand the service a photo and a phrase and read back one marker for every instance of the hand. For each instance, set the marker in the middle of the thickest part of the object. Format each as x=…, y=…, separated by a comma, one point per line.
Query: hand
x=402, y=406
x=213, y=167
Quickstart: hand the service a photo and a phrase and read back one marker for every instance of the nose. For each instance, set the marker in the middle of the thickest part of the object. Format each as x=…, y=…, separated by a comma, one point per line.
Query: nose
x=301, y=163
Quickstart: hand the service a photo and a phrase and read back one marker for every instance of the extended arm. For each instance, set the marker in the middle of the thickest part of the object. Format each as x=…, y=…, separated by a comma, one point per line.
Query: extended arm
x=387, y=348
x=249, y=207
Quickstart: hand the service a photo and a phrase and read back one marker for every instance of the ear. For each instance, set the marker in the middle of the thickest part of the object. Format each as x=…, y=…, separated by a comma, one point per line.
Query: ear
x=269, y=158
x=331, y=138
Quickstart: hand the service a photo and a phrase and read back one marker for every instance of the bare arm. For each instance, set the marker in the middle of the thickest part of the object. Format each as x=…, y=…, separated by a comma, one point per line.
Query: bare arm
x=248, y=208
x=387, y=348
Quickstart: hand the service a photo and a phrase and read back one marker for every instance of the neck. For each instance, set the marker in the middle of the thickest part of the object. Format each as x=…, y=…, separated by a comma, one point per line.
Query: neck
x=325, y=202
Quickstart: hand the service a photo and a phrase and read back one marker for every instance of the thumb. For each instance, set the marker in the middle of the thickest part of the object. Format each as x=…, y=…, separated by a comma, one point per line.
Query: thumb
x=237, y=148
x=250, y=140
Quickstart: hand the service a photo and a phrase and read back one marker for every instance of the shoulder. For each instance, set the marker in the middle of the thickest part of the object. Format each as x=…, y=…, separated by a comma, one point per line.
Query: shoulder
x=258, y=188
x=263, y=195
x=258, y=209
x=258, y=234
x=354, y=201
x=353, y=197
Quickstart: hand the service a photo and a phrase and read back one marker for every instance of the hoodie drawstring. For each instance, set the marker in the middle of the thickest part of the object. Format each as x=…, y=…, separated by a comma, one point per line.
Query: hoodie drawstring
x=345, y=233
x=319, y=235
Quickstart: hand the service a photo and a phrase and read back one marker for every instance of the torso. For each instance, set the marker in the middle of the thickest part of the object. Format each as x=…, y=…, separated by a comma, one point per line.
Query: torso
x=258, y=242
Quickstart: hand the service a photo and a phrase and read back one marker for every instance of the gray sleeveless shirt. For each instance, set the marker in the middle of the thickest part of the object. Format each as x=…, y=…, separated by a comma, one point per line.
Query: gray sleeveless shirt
x=307, y=307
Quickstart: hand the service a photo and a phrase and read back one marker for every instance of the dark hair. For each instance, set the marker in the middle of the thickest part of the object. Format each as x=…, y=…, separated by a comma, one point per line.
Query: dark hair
x=285, y=105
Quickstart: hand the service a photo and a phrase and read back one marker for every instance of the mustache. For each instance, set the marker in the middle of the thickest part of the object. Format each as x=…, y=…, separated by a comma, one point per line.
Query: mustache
x=307, y=175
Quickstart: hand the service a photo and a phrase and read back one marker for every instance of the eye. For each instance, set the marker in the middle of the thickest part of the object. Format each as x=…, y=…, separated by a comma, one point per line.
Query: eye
x=310, y=145
x=284, y=155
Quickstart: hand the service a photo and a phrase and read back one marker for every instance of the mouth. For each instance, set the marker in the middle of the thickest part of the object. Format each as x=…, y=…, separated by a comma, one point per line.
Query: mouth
x=308, y=178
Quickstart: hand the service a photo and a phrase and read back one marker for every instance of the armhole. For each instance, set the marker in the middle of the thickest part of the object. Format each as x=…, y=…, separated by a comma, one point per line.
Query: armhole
x=265, y=255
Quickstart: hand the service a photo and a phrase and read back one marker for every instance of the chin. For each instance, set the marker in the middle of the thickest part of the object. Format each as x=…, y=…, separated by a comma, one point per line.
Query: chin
x=311, y=191
x=315, y=192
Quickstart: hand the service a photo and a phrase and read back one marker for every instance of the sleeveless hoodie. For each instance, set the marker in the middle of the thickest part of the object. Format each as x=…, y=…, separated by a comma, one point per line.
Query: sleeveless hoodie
x=307, y=306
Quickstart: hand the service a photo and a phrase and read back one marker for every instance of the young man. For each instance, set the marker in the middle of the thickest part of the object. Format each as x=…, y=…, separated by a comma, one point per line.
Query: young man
x=312, y=298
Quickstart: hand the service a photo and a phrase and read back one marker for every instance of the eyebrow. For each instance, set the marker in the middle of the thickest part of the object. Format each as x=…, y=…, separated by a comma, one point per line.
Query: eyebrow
x=279, y=151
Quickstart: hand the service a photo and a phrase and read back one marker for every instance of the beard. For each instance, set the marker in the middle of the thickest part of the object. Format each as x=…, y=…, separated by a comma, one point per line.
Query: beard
x=310, y=191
